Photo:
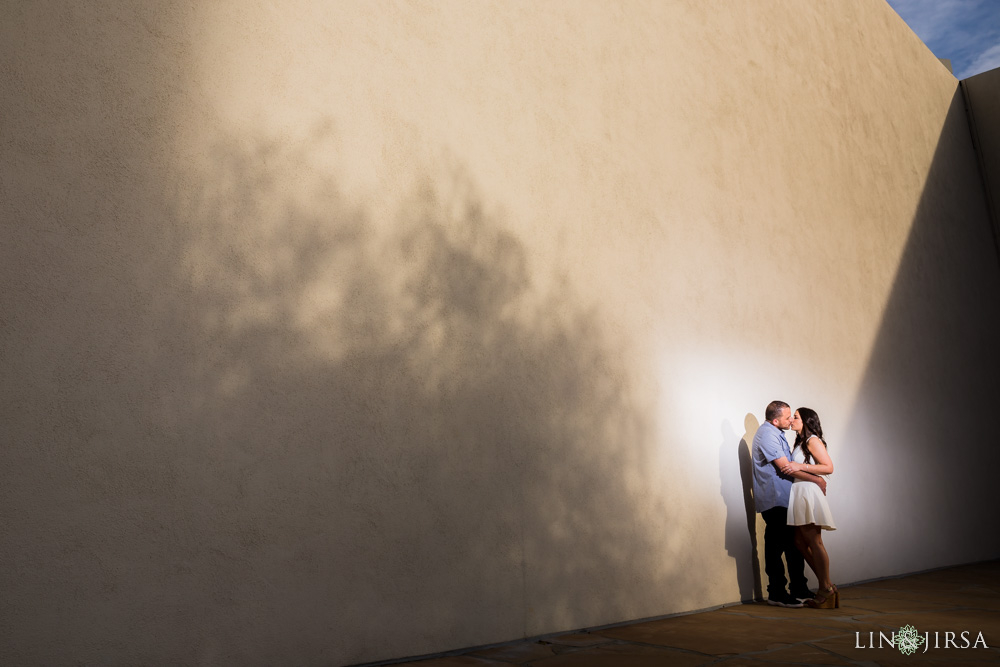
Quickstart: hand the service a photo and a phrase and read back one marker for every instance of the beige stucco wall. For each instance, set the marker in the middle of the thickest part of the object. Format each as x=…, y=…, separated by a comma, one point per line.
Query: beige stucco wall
x=338, y=332
x=982, y=100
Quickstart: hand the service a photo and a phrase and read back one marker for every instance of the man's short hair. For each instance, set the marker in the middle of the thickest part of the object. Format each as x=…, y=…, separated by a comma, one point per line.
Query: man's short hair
x=774, y=410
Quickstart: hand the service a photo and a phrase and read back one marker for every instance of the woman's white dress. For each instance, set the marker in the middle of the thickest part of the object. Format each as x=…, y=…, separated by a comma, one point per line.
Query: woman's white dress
x=806, y=503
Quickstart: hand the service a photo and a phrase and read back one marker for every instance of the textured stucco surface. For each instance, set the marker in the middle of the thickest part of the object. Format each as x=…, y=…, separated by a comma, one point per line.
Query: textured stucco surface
x=982, y=98
x=442, y=323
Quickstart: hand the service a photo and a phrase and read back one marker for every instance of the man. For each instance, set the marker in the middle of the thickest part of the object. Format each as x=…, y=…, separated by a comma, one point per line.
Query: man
x=770, y=494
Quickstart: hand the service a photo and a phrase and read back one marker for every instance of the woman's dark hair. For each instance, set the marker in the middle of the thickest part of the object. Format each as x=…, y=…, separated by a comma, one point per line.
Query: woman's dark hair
x=810, y=427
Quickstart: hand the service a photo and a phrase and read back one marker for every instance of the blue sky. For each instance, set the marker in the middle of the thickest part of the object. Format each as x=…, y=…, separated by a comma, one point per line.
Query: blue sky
x=965, y=31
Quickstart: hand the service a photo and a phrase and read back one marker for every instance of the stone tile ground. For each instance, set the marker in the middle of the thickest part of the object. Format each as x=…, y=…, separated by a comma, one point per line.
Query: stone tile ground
x=958, y=599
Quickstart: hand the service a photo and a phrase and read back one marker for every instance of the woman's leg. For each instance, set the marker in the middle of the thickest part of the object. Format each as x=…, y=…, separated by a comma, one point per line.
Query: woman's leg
x=803, y=545
x=820, y=563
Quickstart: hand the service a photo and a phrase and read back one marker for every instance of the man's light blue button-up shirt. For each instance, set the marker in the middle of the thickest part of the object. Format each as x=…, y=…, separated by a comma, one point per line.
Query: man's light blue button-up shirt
x=770, y=488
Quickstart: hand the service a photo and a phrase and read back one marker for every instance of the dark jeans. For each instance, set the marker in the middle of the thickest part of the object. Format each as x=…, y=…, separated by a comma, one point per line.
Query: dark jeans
x=779, y=538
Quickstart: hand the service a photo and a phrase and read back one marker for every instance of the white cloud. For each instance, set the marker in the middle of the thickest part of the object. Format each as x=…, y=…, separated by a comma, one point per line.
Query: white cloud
x=933, y=20
x=987, y=60
x=965, y=31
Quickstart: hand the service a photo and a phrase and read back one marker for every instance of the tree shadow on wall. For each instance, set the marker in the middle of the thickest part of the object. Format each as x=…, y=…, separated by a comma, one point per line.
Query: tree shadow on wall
x=387, y=435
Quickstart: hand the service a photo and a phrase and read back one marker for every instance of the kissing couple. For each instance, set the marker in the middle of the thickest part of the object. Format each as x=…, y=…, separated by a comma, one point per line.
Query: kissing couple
x=789, y=491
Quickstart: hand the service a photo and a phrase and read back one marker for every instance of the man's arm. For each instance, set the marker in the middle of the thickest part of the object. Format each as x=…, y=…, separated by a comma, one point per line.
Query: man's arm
x=782, y=462
x=822, y=464
x=809, y=477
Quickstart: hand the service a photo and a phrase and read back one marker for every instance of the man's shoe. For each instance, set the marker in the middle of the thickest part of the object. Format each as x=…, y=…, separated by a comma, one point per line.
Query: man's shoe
x=794, y=603
x=784, y=600
x=802, y=596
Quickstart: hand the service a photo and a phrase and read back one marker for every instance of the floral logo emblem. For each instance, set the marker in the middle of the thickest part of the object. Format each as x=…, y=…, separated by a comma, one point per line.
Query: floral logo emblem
x=908, y=640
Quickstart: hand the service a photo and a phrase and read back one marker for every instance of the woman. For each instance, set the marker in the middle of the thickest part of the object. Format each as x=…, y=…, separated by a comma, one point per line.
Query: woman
x=808, y=510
